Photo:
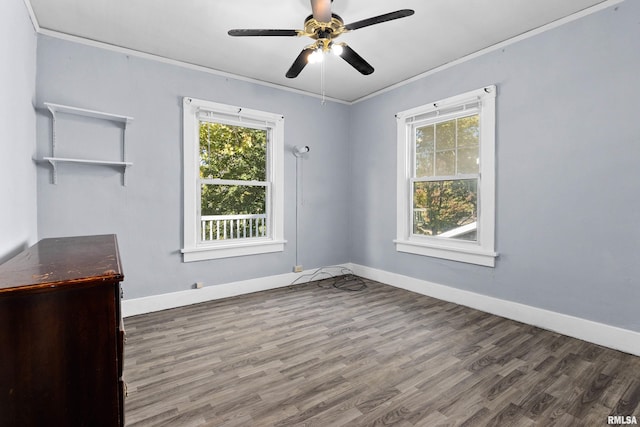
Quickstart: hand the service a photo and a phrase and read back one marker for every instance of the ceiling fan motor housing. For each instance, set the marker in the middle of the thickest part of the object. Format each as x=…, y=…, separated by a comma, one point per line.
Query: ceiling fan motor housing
x=317, y=30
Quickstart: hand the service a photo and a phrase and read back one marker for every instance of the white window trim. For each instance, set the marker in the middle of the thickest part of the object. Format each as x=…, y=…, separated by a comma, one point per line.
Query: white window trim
x=482, y=251
x=193, y=250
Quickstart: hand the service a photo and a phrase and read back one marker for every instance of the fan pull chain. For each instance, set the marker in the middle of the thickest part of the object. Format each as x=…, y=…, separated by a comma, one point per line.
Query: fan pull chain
x=322, y=86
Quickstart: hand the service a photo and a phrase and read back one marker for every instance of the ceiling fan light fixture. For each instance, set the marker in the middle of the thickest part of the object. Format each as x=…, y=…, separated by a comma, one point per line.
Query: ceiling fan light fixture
x=337, y=49
x=316, y=56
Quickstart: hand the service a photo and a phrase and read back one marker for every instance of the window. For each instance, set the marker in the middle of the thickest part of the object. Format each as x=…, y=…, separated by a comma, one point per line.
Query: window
x=233, y=181
x=446, y=178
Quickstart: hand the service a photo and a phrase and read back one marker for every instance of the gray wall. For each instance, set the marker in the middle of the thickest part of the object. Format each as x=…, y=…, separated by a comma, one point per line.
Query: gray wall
x=17, y=129
x=568, y=178
x=147, y=213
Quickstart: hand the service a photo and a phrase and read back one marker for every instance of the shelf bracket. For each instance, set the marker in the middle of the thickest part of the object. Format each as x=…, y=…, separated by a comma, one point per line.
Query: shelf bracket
x=54, y=171
x=53, y=160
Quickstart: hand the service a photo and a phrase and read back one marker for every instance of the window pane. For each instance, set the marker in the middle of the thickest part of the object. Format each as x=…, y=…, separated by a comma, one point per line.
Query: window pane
x=233, y=199
x=233, y=212
x=446, y=208
x=232, y=152
x=468, y=131
x=424, y=150
x=446, y=135
x=468, y=160
x=446, y=163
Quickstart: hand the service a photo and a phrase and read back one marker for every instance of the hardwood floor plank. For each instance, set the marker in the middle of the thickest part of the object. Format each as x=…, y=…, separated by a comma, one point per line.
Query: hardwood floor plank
x=314, y=355
x=629, y=401
x=478, y=417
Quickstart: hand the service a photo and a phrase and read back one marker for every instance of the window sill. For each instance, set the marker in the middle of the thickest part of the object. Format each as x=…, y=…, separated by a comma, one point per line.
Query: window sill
x=470, y=255
x=229, y=250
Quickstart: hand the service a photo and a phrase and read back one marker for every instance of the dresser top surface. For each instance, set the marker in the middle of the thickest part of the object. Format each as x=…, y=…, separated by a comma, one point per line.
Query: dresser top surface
x=63, y=261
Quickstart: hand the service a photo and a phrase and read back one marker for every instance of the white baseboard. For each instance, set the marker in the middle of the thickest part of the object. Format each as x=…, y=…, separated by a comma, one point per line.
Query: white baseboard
x=133, y=307
x=587, y=330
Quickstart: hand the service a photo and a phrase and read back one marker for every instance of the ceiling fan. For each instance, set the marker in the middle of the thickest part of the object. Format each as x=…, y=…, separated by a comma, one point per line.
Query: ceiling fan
x=324, y=27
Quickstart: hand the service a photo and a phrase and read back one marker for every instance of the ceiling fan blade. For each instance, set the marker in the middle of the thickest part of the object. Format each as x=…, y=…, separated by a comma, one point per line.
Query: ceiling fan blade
x=299, y=63
x=355, y=60
x=321, y=10
x=379, y=19
x=252, y=33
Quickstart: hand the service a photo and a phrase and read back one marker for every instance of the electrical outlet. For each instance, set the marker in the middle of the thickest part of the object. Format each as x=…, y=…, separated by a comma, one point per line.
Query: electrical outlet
x=297, y=269
x=199, y=285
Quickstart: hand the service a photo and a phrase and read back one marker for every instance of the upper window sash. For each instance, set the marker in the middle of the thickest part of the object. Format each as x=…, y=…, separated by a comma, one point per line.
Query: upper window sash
x=438, y=115
x=238, y=116
x=449, y=106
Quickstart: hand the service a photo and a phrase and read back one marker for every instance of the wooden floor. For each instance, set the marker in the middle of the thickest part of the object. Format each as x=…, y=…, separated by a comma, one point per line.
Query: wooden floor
x=314, y=355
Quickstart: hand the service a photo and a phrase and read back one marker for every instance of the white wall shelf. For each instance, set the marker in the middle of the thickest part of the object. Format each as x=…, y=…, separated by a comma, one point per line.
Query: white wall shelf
x=86, y=161
x=57, y=108
x=55, y=160
x=117, y=118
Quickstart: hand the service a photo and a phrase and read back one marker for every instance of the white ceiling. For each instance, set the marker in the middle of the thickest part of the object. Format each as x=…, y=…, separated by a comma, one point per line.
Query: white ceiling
x=195, y=32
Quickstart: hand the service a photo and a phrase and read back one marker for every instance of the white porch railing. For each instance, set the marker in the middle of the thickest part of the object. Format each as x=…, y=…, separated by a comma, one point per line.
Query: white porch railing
x=222, y=227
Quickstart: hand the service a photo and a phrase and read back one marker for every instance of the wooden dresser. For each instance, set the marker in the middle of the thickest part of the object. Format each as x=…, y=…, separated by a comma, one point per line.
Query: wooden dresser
x=61, y=334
